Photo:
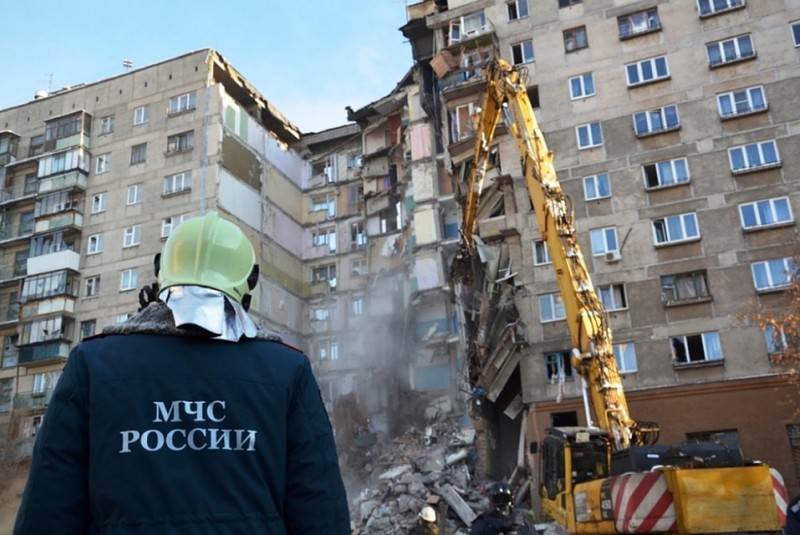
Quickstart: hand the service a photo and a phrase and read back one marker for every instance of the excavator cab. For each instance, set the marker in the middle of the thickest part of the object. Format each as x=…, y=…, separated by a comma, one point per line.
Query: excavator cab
x=573, y=455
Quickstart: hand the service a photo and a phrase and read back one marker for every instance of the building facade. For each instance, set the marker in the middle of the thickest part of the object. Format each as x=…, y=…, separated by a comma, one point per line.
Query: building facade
x=674, y=126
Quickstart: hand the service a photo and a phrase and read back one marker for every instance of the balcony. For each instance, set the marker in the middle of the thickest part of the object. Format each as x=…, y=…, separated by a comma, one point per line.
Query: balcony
x=59, y=221
x=32, y=400
x=70, y=180
x=20, y=192
x=10, y=311
x=55, y=261
x=11, y=232
x=43, y=353
x=13, y=271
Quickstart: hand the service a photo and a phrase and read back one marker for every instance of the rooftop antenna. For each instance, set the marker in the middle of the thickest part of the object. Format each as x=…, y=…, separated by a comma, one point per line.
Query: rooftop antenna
x=127, y=63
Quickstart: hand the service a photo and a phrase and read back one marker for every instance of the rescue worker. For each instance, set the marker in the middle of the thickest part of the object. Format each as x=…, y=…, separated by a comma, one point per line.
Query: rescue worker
x=792, y=526
x=426, y=522
x=187, y=418
x=502, y=517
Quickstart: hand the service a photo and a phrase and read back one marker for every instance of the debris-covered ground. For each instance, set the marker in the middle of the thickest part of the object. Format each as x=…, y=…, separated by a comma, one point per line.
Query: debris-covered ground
x=431, y=466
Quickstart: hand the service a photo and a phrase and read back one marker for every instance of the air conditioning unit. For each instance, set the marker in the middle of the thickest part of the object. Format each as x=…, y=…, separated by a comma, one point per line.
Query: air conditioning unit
x=613, y=256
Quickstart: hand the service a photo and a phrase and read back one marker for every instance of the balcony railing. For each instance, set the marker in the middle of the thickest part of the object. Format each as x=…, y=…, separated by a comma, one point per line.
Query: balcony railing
x=17, y=231
x=33, y=400
x=44, y=352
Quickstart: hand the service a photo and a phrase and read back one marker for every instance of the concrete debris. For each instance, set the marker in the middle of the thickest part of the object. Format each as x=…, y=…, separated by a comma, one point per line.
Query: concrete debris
x=432, y=467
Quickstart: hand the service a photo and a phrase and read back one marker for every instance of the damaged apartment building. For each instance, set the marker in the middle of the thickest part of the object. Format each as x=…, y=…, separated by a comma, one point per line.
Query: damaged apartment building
x=668, y=121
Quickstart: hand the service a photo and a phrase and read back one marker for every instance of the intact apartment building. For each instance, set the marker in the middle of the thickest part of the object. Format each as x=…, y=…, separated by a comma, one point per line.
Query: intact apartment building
x=676, y=129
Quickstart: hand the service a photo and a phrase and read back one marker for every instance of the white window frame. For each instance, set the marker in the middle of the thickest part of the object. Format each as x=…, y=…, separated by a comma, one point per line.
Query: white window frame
x=182, y=103
x=522, y=52
x=107, y=124
x=178, y=182
x=98, y=203
x=776, y=273
x=656, y=121
x=742, y=102
x=141, y=115
x=666, y=173
x=551, y=308
x=102, y=164
x=755, y=152
x=517, y=9
x=325, y=236
x=358, y=267
x=766, y=213
x=556, y=365
x=88, y=328
x=613, y=297
x=604, y=240
x=457, y=133
x=582, y=86
x=647, y=71
x=777, y=340
x=128, y=279
x=711, y=347
x=168, y=224
x=709, y=7
x=589, y=131
x=685, y=224
x=122, y=318
x=132, y=236
x=135, y=194
x=91, y=286
x=596, y=187
x=328, y=349
x=94, y=244
x=730, y=50
x=639, y=22
x=181, y=142
x=357, y=305
x=686, y=286
x=625, y=355
x=541, y=253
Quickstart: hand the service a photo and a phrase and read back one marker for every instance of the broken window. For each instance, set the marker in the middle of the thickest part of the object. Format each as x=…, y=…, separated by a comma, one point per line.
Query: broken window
x=666, y=173
x=684, y=286
x=613, y=296
x=326, y=273
x=358, y=267
x=639, y=22
x=358, y=236
x=558, y=366
x=703, y=347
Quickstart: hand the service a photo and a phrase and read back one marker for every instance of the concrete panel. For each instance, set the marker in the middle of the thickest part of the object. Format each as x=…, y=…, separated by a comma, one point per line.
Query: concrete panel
x=426, y=225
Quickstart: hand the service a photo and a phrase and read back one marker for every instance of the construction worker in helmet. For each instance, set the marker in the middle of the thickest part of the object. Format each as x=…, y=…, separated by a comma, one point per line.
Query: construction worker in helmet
x=502, y=516
x=187, y=418
x=426, y=522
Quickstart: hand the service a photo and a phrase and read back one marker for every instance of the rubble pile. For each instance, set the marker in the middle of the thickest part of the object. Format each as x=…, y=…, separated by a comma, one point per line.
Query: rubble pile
x=431, y=467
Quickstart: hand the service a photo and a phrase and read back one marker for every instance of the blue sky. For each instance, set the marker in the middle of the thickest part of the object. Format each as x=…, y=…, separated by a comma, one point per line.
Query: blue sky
x=310, y=58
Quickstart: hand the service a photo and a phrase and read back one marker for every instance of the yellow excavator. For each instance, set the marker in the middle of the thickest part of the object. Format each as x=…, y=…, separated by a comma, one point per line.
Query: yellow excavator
x=609, y=476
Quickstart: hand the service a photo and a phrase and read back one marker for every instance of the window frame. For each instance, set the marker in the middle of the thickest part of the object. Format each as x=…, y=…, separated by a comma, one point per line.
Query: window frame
x=579, y=91
x=106, y=125
x=102, y=163
x=141, y=115
x=667, y=224
x=523, y=49
x=734, y=102
x=712, y=10
x=568, y=3
x=614, y=292
x=139, y=153
x=184, y=179
x=579, y=36
x=513, y=11
x=604, y=240
x=590, y=133
x=794, y=28
x=99, y=203
x=554, y=305
x=646, y=67
x=595, y=185
x=657, y=121
x=131, y=236
x=182, y=103
x=651, y=25
x=769, y=270
x=134, y=194
x=170, y=223
x=94, y=244
x=678, y=288
x=541, y=253
x=707, y=347
x=91, y=286
x=747, y=153
x=766, y=207
x=722, y=49
x=180, y=142
x=128, y=279
x=554, y=363
x=677, y=176
x=624, y=360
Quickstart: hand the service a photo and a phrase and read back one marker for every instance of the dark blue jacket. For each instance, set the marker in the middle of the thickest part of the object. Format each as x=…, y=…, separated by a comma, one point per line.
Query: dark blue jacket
x=153, y=434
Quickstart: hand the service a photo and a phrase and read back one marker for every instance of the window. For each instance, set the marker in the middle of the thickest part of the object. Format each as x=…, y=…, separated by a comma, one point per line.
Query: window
x=94, y=244
x=178, y=182
x=666, y=173
x=647, y=70
x=604, y=241
x=772, y=274
x=517, y=9
x=613, y=296
x=467, y=26
x=567, y=3
x=91, y=286
x=122, y=318
x=558, y=365
x=354, y=161
x=132, y=236
x=328, y=350
x=522, y=52
x=358, y=267
x=182, y=103
x=541, y=254
x=180, y=142
x=684, y=287
x=325, y=236
x=638, y=23
x=730, y=50
x=589, y=135
x=168, y=224
x=320, y=203
x=358, y=237
x=98, y=203
x=778, y=339
x=742, y=102
x=37, y=146
x=796, y=33
x=675, y=228
x=141, y=115
x=102, y=163
x=10, y=351
x=128, y=279
x=551, y=308
x=581, y=86
x=656, y=121
x=107, y=124
x=575, y=39
x=138, y=153
x=702, y=347
x=710, y=7
x=50, y=284
x=765, y=213
x=754, y=156
x=88, y=328
x=135, y=194
x=6, y=394
x=326, y=273
x=461, y=126
x=625, y=355
x=596, y=186
x=357, y=305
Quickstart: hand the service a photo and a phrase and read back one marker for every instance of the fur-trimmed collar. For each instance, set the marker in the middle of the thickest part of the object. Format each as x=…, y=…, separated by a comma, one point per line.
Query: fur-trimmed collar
x=156, y=318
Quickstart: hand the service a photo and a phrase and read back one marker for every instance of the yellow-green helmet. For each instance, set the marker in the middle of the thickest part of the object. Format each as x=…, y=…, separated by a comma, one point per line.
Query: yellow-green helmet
x=211, y=252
